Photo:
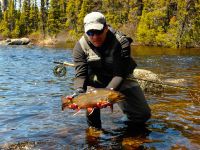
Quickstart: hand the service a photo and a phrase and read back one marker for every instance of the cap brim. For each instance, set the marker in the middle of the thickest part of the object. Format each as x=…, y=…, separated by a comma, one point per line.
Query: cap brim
x=93, y=26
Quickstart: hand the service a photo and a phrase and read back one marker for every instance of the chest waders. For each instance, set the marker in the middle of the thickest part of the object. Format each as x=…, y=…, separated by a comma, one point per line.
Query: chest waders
x=135, y=106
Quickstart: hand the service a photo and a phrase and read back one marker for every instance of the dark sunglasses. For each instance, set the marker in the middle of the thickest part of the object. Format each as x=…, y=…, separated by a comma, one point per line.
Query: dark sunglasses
x=95, y=32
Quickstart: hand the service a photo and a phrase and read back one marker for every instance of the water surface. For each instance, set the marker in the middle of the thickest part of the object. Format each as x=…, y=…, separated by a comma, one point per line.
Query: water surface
x=30, y=106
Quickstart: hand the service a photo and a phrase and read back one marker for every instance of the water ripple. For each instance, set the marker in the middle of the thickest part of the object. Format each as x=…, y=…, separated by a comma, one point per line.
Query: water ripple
x=31, y=116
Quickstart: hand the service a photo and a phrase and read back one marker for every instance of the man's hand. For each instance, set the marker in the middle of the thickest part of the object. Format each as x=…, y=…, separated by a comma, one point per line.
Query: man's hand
x=90, y=88
x=77, y=92
x=102, y=104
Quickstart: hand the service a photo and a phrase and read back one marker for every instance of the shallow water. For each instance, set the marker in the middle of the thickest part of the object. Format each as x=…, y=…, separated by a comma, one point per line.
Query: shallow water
x=30, y=106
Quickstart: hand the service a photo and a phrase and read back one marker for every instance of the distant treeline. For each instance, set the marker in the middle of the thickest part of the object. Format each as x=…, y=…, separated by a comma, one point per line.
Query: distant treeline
x=168, y=23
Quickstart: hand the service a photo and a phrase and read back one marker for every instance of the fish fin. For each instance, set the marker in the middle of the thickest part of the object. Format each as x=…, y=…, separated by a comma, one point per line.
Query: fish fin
x=78, y=111
x=90, y=111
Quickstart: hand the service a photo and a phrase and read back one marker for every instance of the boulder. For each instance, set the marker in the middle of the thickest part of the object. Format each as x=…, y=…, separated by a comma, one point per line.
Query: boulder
x=151, y=82
x=148, y=81
x=20, y=41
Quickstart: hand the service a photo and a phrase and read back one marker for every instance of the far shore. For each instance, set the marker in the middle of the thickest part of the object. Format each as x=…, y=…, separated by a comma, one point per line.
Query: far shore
x=65, y=41
x=47, y=42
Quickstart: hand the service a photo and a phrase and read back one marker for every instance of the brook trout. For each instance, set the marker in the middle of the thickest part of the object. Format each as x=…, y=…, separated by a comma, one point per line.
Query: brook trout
x=93, y=98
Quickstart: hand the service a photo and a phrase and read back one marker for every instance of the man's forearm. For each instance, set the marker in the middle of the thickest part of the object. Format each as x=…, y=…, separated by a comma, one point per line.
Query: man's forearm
x=115, y=83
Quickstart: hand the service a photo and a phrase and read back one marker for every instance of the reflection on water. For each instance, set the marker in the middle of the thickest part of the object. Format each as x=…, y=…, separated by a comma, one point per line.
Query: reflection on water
x=30, y=106
x=155, y=51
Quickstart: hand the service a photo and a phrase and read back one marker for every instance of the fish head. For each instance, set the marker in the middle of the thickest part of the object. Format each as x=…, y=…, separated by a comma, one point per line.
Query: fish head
x=66, y=102
x=115, y=96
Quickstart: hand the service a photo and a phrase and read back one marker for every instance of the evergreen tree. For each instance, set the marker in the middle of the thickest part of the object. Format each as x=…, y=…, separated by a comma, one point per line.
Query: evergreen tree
x=119, y=12
x=4, y=4
x=111, y=13
x=4, y=26
x=169, y=23
x=42, y=17
x=63, y=5
x=11, y=15
x=196, y=25
x=71, y=22
x=97, y=5
x=24, y=18
x=136, y=8
x=54, y=18
x=17, y=31
x=78, y=4
x=85, y=8
x=34, y=17
x=1, y=14
x=152, y=27
x=188, y=12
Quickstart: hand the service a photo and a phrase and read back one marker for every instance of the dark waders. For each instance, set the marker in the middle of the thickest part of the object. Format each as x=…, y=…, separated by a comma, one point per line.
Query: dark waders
x=135, y=105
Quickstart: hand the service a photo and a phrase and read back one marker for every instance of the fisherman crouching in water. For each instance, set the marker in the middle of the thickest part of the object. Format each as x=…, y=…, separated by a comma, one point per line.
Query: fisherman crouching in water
x=102, y=60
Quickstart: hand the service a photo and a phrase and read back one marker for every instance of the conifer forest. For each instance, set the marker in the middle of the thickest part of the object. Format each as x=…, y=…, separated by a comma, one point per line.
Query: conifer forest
x=165, y=23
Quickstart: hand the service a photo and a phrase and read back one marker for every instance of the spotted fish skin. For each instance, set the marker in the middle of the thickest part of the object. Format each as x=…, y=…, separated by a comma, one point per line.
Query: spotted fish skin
x=92, y=98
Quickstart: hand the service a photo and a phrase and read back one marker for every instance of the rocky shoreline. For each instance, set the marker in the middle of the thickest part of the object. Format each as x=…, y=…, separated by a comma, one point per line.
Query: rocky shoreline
x=27, y=41
x=17, y=41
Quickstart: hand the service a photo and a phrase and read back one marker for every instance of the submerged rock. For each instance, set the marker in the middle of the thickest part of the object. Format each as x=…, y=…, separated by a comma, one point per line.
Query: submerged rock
x=179, y=82
x=136, y=143
x=26, y=145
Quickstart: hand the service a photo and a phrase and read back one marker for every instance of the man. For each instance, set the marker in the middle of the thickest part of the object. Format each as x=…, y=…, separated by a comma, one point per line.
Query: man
x=102, y=60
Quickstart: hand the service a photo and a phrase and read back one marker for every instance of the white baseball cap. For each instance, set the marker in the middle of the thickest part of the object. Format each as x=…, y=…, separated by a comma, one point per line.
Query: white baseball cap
x=94, y=21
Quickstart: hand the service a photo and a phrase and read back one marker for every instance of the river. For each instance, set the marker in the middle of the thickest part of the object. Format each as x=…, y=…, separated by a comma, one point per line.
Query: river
x=30, y=106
